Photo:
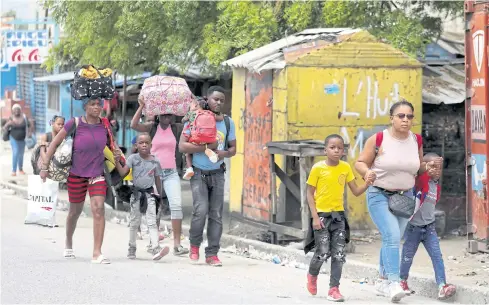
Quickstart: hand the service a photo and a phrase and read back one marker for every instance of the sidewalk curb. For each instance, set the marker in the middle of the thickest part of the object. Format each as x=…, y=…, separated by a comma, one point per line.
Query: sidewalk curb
x=422, y=284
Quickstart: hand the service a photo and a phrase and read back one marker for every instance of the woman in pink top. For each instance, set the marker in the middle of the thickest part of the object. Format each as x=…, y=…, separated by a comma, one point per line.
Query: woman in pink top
x=165, y=149
x=393, y=167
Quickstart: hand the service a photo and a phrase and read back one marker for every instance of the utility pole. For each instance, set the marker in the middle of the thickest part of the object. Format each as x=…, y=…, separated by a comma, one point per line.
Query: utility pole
x=124, y=102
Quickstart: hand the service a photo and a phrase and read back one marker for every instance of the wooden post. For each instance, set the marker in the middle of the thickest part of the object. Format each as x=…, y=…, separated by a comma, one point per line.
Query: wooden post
x=442, y=155
x=124, y=102
x=273, y=192
x=303, y=187
x=273, y=188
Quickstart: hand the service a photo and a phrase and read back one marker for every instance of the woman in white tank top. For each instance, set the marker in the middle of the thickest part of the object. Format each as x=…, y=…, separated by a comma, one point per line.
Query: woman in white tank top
x=392, y=166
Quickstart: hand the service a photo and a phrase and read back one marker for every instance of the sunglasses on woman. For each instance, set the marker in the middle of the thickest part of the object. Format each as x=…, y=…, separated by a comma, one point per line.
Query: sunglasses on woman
x=403, y=115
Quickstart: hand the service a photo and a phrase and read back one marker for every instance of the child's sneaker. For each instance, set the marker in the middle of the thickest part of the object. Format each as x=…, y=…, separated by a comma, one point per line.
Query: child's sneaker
x=382, y=287
x=159, y=253
x=405, y=287
x=189, y=173
x=312, y=284
x=335, y=295
x=212, y=155
x=396, y=293
x=131, y=253
x=446, y=291
x=180, y=250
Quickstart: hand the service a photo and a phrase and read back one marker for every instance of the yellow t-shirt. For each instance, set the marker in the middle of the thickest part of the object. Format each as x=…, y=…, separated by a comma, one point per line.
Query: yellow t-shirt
x=329, y=182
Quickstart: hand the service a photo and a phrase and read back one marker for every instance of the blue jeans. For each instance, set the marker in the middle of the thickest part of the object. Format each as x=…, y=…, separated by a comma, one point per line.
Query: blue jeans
x=18, y=149
x=391, y=229
x=173, y=189
x=427, y=235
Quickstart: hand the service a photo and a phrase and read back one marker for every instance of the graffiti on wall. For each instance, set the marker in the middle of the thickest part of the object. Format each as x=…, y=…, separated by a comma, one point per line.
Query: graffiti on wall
x=376, y=106
x=357, y=140
x=256, y=120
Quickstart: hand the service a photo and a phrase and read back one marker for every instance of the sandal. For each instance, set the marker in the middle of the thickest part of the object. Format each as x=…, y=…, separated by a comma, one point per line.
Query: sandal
x=68, y=253
x=101, y=260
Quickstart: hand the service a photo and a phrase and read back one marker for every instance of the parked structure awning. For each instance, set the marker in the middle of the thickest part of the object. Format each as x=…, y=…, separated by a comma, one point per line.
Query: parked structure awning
x=443, y=84
x=67, y=76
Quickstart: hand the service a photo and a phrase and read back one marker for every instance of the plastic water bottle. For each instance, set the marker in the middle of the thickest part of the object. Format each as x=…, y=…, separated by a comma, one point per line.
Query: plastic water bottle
x=276, y=260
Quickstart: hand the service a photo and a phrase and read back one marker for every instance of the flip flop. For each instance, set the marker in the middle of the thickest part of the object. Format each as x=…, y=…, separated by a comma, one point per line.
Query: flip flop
x=101, y=260
x=68, y=253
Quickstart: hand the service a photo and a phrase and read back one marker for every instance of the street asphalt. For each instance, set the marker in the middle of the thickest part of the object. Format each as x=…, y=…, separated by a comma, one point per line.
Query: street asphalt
x=34, y=271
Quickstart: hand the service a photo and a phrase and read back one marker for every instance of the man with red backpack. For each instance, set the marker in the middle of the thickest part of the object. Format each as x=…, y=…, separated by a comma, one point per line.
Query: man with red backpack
x=208, y=182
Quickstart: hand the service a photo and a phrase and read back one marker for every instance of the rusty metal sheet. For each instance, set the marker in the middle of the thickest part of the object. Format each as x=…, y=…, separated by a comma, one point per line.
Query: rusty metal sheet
x=271, y=55
x=257, y=123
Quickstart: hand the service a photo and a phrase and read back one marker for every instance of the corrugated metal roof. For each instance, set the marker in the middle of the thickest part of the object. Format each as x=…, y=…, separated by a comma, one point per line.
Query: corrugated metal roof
x=56, y=77
x=271, y=55
x=443, y=84
x=453, y=42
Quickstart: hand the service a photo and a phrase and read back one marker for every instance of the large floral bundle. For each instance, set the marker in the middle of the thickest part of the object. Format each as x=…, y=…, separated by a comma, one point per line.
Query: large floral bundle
x=165, y=95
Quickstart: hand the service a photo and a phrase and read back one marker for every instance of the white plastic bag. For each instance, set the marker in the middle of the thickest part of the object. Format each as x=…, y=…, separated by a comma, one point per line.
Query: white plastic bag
x=42, y=201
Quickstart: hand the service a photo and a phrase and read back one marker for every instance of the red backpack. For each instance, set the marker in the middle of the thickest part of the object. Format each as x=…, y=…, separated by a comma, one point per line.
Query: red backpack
x=203, y=129
x=379, y=136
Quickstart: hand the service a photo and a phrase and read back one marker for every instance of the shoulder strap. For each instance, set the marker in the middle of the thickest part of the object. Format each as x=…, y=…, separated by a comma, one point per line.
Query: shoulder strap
x=379, y=137
x=110, y=135
x=72, y=131
x=26, y=125
x=419, y=140
x=49, y=137
x=152, y=132
x=176, y=128
x=228, y=127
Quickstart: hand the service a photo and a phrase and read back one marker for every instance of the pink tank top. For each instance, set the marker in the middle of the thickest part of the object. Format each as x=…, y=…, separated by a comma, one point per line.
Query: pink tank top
x=397, y=163
x=163, y=147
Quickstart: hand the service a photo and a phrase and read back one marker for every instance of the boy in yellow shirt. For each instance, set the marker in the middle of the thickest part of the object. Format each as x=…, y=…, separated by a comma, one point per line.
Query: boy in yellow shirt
x=325, y=189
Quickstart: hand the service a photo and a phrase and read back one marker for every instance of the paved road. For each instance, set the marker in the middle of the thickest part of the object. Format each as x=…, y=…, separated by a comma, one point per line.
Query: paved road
x=34, y=271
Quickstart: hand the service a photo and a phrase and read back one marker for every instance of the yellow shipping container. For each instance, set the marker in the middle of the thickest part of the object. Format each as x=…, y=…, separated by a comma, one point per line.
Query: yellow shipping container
x=307, y=86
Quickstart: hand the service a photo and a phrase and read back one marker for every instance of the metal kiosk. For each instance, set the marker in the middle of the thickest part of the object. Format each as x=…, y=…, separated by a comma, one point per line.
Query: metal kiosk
x=305, y=151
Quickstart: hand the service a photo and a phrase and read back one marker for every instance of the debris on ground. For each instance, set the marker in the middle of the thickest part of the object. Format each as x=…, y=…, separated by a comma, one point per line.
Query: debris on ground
x=276, y=260
x=8, y=192
x=361, y=281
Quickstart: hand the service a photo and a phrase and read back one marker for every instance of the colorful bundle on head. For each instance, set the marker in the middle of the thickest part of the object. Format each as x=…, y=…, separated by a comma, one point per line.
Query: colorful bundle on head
x=92, y=73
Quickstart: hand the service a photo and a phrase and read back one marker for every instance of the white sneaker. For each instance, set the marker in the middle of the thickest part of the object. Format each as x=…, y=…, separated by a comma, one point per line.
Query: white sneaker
x=382, y=287
x=396, y=293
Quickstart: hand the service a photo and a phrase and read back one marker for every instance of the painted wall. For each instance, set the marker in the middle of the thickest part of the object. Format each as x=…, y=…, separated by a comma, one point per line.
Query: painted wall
x=353, y=103
x=8, y=79
x=435, y=52
x=476, y=129
x=346, y=88
x=237, y=113
x=257, y=124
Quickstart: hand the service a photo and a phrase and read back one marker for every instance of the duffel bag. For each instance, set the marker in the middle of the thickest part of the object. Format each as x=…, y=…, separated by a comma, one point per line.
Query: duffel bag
x=165, y=95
